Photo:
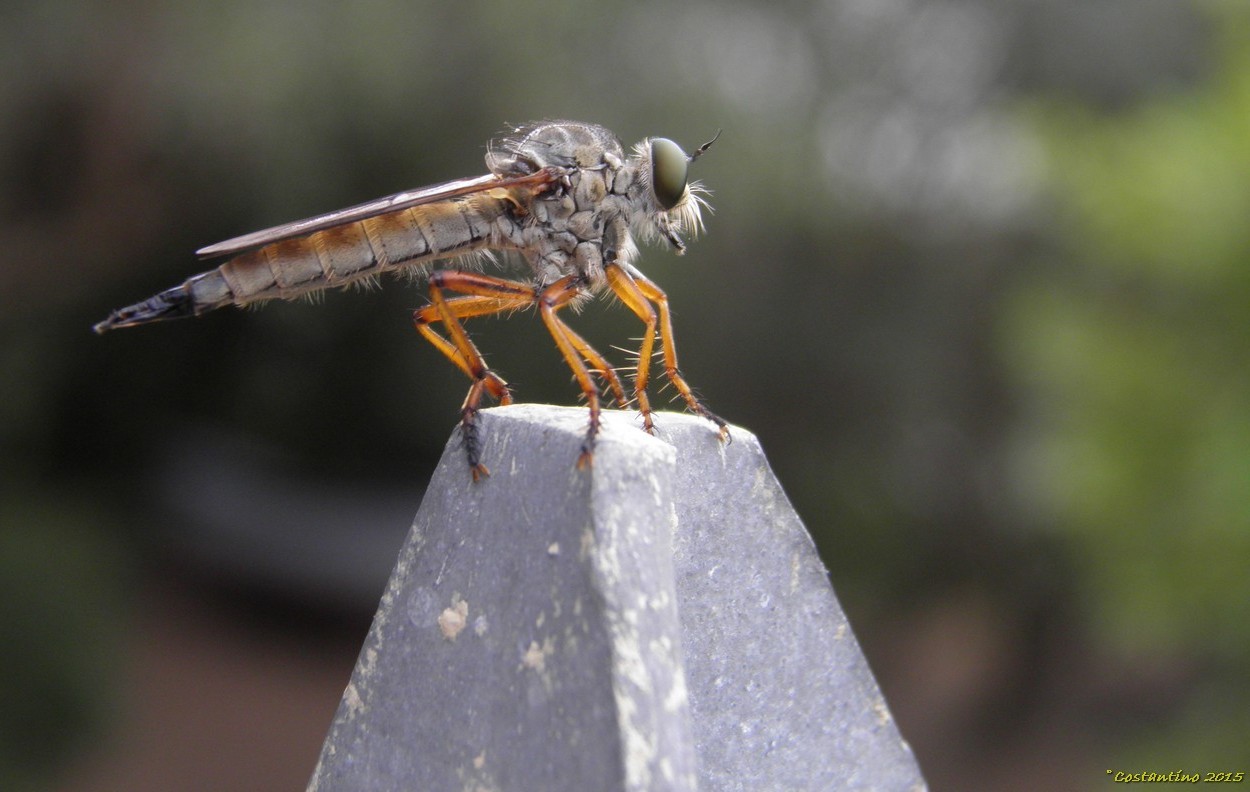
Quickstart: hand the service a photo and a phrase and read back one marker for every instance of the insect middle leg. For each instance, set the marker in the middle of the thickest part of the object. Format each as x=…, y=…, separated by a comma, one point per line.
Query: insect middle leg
x=574, y=348
x=639, y=294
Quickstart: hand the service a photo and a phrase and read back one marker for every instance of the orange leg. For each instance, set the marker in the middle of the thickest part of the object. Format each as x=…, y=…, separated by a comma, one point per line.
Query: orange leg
x=485, y=296
x=639, y=293
x=552, y=299
x=601, y=366
x=629, y=293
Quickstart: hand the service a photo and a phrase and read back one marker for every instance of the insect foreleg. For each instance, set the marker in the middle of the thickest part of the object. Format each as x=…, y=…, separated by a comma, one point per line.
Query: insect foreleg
x=630, y=286
x=629, y=293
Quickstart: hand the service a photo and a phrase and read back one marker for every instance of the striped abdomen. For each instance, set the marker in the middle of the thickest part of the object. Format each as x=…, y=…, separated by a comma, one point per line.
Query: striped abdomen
x=325, y=259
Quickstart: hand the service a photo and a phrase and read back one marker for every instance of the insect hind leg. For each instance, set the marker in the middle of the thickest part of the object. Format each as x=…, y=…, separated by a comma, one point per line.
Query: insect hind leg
x=486, y=296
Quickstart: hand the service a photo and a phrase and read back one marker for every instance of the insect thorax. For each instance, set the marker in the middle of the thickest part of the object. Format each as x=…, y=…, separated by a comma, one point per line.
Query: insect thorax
x=565, y=144
x=592, y=208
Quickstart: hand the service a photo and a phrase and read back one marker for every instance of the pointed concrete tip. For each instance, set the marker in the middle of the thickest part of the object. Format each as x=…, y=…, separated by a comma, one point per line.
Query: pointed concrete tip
x=659, y=621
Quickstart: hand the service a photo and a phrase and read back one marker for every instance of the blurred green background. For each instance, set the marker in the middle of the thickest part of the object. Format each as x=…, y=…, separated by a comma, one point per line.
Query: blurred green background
x=978, y=277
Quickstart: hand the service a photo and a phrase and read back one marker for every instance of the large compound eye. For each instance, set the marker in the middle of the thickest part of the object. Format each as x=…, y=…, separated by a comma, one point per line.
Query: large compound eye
x=668, y=172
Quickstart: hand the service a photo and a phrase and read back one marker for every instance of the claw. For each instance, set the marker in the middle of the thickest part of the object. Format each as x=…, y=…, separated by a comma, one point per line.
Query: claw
x=586, y=459
x=721, y=425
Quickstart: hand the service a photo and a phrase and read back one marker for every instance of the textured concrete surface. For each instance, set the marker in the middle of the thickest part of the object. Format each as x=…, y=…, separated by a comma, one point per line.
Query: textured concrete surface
x=659, y=622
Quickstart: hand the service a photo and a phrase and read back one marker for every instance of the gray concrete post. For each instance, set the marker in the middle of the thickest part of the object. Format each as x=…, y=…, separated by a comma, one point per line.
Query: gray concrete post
x=658, y=622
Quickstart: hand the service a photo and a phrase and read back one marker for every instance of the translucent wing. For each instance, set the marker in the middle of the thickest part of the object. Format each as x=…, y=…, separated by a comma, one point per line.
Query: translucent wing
x=534, y=182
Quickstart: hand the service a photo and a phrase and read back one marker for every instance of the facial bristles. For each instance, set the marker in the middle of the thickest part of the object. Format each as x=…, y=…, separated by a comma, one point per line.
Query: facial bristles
x=687, y=215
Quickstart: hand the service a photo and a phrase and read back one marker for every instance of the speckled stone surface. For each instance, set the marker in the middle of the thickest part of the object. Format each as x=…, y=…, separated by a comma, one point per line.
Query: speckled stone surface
x=660, y=621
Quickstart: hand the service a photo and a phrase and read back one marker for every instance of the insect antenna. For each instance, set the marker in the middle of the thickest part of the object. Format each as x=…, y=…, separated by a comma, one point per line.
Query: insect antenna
x=699, y=151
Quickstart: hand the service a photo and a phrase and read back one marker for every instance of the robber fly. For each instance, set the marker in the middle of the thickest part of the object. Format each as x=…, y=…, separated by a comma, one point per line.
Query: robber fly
x=563, y=194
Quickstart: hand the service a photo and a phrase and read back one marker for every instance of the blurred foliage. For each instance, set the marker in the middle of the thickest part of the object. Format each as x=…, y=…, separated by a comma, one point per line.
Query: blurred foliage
x=967, y=402
x=60, y=610
x=1131, y=347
